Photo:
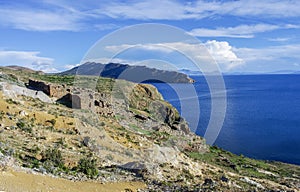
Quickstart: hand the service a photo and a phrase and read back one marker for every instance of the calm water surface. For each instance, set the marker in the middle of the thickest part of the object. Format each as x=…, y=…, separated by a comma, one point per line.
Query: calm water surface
x=262, y=118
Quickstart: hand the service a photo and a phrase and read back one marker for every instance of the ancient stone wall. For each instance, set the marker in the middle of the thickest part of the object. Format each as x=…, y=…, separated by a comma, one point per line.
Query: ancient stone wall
x=97, y=102
x=39, y=86
x=78, y=98
x=52, y=90
x=57, y=91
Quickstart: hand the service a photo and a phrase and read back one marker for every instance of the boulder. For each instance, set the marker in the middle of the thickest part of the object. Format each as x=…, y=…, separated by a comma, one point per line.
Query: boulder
x=12, y=91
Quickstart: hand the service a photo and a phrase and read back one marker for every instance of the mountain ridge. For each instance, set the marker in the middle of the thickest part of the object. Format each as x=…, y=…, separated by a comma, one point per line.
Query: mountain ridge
x=128, y=72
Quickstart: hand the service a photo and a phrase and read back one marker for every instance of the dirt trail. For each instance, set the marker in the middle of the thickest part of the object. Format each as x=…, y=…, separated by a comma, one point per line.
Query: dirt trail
x=11, y=181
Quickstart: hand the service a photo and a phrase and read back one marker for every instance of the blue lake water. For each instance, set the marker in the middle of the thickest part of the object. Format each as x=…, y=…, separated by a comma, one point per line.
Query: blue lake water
x=262, y=117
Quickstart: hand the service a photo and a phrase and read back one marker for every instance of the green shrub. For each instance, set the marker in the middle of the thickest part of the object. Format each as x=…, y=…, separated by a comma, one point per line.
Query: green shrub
x=21, y=124
x=54, y=156
x=88, y=166
x=24, y=126
x=11, y=101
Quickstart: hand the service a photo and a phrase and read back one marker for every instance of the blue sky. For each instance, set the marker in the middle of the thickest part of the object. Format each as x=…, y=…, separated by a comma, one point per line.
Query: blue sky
x=242, y=36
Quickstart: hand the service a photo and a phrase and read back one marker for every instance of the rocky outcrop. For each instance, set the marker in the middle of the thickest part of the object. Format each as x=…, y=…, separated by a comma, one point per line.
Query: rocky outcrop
x=146, y=98
x=12, y=91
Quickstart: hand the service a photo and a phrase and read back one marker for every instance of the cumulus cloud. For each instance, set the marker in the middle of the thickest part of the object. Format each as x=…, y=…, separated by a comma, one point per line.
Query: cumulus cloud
x=228, y=57
x=30, y=59
x=224, y=54
x=220, y=51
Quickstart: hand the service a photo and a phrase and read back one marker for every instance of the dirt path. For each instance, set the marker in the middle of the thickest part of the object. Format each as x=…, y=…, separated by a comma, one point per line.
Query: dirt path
x=11, y=181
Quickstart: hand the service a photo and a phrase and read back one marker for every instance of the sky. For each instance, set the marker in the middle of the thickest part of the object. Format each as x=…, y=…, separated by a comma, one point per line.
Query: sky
x=241, y=36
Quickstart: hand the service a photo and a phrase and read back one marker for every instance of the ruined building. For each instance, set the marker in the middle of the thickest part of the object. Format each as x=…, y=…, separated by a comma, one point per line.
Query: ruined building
x=78, y=98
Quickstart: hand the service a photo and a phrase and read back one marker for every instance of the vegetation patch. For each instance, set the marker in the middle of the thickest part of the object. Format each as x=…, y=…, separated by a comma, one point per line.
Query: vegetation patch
x=88, y=166
x=243, y=165
x=24, y=126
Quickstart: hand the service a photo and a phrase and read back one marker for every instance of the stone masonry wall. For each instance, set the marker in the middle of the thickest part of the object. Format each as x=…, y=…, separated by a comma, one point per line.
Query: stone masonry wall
x=78, y=98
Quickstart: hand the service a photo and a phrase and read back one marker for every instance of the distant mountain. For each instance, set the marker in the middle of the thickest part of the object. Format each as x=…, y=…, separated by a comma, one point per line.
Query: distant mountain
x=189, y=72
x=284, y=72
x=194, y=73
x=296, y=72
x=129, y=72
x=20, y=68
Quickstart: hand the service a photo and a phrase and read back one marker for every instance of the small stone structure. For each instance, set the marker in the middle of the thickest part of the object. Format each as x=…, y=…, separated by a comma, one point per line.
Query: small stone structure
x=78, y=98
x=52, y=90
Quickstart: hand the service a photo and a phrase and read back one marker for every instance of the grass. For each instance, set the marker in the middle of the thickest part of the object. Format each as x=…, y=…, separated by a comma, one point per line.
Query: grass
x=68, y=80
x=24, y=126
x=243, y=165
x=92, y=82
x=137, y=129
x=100, y=84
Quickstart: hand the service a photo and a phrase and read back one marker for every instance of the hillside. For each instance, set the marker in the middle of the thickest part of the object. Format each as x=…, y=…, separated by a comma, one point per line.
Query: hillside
x=128, y=72
x=121, y=135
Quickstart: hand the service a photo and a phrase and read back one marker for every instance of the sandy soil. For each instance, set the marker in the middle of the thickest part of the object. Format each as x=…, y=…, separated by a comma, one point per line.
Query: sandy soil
x=12, y=181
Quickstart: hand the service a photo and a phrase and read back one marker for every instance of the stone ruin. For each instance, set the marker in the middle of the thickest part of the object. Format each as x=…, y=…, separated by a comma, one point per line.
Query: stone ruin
x=52, y=90
x=78, y=98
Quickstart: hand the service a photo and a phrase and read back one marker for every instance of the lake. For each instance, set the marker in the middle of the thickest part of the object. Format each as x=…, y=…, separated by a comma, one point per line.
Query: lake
x=262, y=117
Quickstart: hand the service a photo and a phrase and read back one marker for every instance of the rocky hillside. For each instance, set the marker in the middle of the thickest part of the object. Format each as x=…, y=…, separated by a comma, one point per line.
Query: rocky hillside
x=129, y=72
x=143, y=145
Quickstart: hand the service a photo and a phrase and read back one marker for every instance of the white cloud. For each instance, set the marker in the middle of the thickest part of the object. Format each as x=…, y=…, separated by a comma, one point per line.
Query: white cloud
x=266, y=8
x=104, y=60
x=27, y=59
x=280, y=39
x=272, y=58
x=150, y=47
x=82, y=15
x=228, y=57
x=145, y=10
x=173, y=10
x=241, y=31
x=222, y=52
x=39, y=20
x=272, y=53
x=70, y=66
x=103, y=27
